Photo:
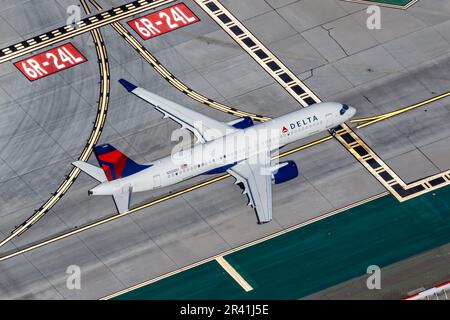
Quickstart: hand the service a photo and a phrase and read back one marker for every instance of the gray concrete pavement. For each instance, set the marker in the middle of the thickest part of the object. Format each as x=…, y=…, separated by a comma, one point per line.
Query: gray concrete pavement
x=45, y=124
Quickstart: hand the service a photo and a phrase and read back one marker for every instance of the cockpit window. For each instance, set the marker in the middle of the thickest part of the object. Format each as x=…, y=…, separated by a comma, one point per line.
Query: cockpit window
x=344, y=109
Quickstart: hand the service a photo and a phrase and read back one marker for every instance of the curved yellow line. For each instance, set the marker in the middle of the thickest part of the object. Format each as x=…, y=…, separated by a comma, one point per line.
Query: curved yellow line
x=165, y=73
x=93, y=138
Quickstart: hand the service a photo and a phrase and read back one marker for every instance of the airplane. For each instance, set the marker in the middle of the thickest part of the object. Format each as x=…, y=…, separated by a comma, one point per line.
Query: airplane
x=218, y=149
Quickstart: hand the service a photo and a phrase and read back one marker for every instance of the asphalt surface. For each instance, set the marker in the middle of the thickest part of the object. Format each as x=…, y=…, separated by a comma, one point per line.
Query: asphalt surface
x=45, y=124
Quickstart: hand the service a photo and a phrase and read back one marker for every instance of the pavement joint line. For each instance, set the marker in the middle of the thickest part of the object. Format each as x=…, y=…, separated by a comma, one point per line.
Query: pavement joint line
x=283, y=75
x=234, y=274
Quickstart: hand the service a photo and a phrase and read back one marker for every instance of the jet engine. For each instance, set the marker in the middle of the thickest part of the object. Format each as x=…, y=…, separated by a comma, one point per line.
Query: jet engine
x=284, y=171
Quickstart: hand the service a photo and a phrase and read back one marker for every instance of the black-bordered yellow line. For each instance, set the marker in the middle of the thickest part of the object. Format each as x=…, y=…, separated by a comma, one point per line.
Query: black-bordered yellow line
x=99, y=122
x=166, y=74
x=383, y=4
x=300, y=92
x=101, y=115
x=85, y=25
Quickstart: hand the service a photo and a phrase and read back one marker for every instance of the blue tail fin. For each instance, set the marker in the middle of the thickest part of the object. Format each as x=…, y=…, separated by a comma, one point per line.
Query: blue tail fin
x=115, y=164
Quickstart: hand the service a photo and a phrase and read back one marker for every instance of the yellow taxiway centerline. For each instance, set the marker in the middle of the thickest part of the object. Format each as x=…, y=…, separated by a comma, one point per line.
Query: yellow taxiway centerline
x=370, y=120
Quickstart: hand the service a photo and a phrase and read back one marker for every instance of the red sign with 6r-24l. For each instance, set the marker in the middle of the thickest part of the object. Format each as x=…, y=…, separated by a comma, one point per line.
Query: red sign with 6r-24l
x=50, y=62
x=163, y=21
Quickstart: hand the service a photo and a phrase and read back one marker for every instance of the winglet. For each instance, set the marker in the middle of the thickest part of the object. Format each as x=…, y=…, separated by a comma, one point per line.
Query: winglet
x=129, y=86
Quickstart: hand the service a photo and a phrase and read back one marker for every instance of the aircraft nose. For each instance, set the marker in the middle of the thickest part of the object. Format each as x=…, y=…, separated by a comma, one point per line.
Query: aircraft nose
x=352, y=112
x=347, y=111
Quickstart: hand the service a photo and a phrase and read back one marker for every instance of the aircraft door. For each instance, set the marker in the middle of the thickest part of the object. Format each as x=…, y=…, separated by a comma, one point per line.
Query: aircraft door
x=156, y=181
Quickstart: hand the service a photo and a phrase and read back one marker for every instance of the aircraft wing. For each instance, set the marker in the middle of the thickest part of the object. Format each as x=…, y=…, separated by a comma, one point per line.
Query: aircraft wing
x=254, y=174
x=203, y=127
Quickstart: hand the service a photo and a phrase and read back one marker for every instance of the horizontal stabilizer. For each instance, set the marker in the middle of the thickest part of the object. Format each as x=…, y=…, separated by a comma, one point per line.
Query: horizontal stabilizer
x=93, y=171
x=122, y=200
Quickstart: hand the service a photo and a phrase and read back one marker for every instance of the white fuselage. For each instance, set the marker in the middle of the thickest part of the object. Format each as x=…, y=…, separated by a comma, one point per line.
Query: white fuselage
x=234, y=147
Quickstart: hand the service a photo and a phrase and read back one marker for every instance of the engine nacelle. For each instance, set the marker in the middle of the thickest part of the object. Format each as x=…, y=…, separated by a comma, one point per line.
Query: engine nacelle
x=284, y=171
x=242, y=123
